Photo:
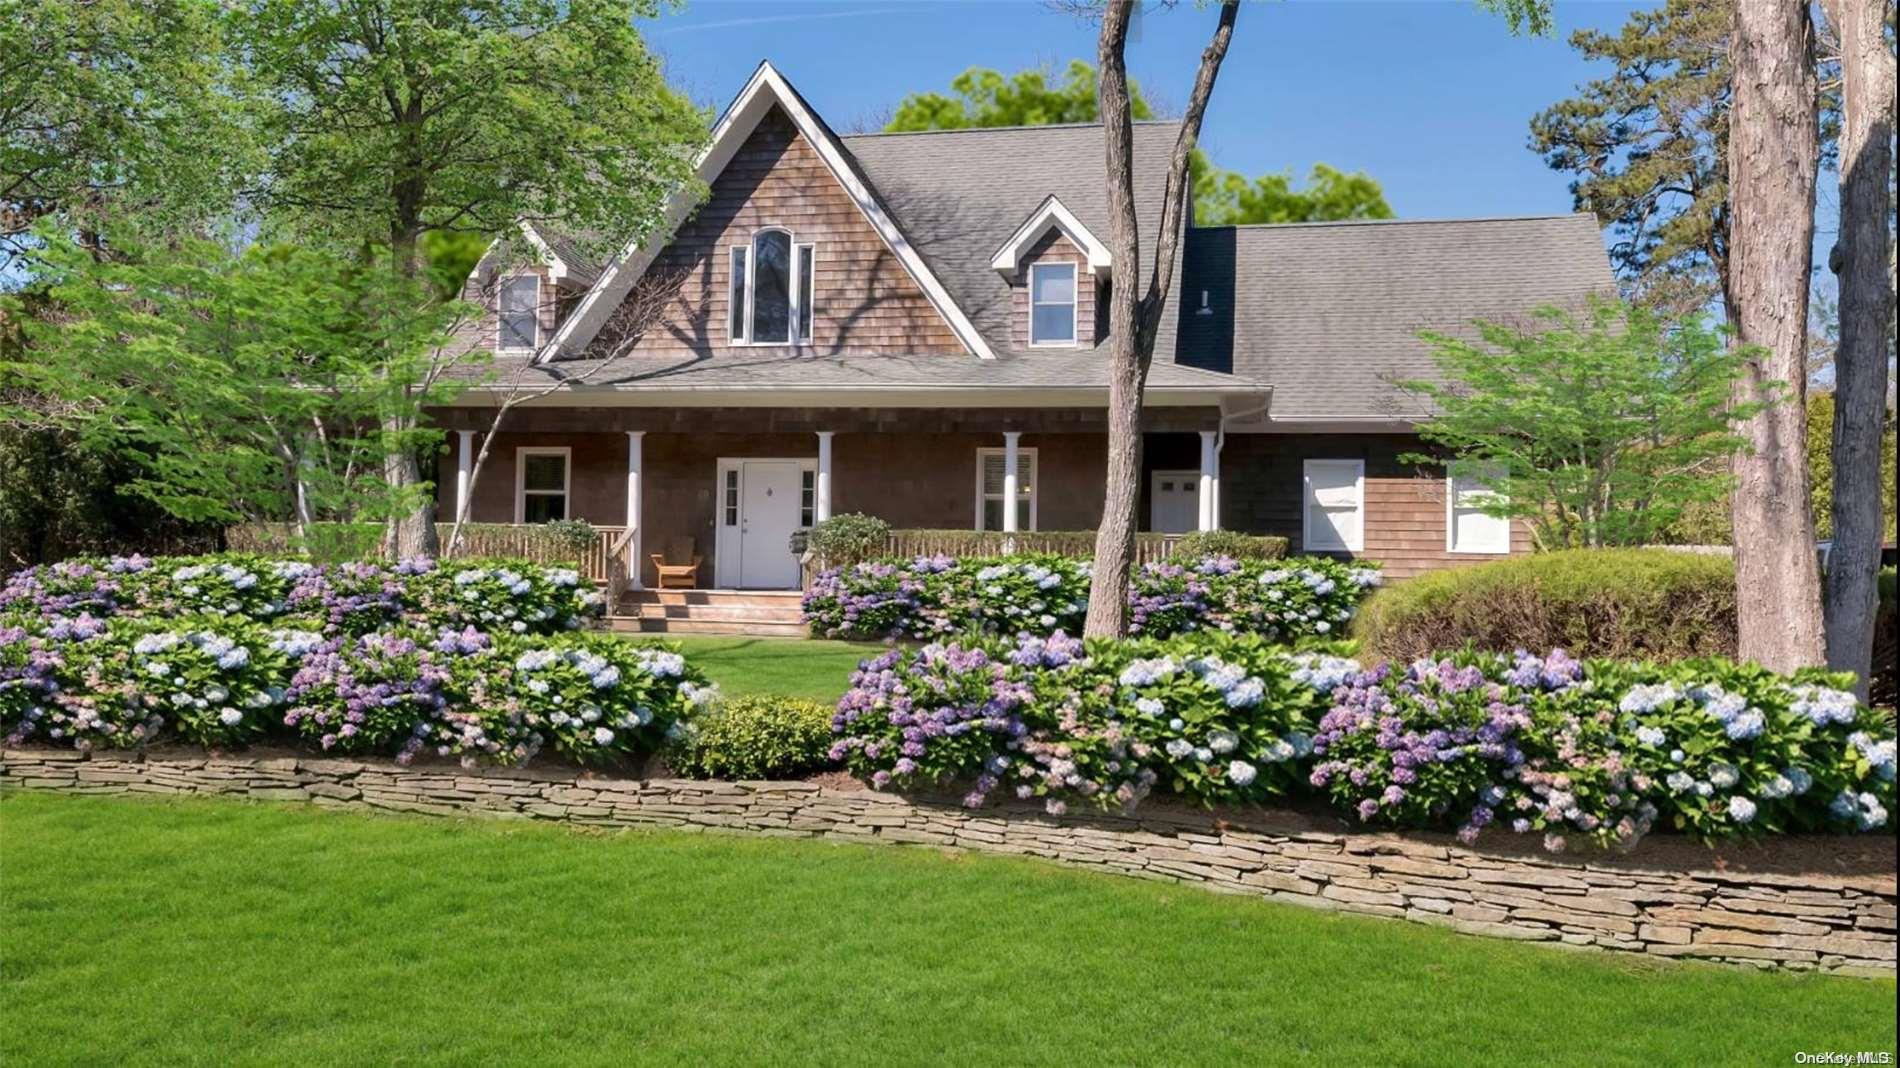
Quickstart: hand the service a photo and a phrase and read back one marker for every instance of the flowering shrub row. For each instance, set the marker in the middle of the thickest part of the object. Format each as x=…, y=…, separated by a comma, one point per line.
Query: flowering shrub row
x=933, y=596
x=1544, y=745
x=503, y=596
x=217, y=681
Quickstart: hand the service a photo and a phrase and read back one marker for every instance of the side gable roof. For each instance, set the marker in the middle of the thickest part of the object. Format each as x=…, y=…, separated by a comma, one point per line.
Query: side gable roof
x=1330, y=313
x=764, y=89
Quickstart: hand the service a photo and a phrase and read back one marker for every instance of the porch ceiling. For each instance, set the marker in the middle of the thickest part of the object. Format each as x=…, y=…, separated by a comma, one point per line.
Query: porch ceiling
x=789, y=420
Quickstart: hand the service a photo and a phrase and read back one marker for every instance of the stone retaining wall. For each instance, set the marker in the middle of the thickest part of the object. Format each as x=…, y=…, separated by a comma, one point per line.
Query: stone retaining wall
x=1700, y=907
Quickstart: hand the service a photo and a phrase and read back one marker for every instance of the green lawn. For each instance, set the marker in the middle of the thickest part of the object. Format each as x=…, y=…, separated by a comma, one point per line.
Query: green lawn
x=819, y=670
x=145, y=931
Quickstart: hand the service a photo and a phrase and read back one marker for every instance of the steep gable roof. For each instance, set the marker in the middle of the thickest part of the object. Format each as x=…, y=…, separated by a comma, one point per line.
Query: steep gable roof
x=764, y=90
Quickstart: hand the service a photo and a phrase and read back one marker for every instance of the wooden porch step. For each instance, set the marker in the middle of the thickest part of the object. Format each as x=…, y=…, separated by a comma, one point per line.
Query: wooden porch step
x=760, y=612
x=660, y=625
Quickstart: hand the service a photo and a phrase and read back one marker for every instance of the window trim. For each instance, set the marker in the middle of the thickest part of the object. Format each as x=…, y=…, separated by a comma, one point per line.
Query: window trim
x=1035, y=482
x=794, y=292
x=1451, y=529
x=1308, y=500
x=501, y=305
x=522, y=452
x=1075, y=304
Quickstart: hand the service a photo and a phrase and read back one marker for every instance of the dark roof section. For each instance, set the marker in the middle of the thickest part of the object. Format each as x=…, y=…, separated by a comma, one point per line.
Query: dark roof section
x=1328, y=314
x=957, y=194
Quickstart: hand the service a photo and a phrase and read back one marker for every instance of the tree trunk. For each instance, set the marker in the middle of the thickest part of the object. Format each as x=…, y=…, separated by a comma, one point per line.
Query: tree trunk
x=1866, y=307
x=412, y=527
x=1134, y=315
x=1772, y=149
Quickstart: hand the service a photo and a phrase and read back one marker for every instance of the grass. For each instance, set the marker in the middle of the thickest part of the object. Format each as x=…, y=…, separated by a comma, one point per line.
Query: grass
x=818, y=670
x=142, y=931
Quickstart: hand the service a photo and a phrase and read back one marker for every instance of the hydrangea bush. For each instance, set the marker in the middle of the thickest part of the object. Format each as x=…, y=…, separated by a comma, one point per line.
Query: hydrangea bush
x=937, y=596
x=482, y=663
x=505, y=596
x=1546, y=746
x=1214, y=718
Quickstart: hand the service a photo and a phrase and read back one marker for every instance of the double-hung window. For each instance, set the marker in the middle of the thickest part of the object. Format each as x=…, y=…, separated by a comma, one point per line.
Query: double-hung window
x=990, y=495
x=1467, y=528
x=520, y=313
x=541, y=484
x=1334, y=502
x=769, y=290
x=1052, y=304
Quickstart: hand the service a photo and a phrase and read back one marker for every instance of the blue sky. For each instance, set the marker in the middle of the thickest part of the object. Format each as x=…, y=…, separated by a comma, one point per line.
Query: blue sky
x=1431, y=97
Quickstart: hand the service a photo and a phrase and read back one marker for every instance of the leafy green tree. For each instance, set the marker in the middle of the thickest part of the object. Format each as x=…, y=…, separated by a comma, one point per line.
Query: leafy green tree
x=1034, y=97
x=233, y=381
x=390, y=120
x=1595, y=430
x=1226, y=198
x=117, y=111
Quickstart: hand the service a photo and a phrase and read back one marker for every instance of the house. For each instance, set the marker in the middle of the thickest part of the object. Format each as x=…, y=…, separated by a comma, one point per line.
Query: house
x=912, y=325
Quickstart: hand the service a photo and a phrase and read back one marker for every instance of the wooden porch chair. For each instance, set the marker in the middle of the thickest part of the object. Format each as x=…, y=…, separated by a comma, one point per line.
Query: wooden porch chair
x=683, y=572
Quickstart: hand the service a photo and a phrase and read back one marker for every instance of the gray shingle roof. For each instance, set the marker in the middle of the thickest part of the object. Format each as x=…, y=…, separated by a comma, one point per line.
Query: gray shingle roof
x=958, y=194
x=1328, y=314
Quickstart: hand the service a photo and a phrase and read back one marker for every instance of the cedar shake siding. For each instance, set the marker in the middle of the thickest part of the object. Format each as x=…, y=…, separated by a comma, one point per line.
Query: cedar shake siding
x=864, y=302
x=1404, y=508
x=484, y=288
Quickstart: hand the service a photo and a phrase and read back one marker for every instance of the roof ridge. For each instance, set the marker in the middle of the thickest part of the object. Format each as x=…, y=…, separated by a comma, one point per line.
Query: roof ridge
x=1404, y=222
x=1006, y=129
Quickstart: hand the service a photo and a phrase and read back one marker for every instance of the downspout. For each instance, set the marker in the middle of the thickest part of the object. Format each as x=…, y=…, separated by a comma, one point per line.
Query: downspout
x=1220, y=443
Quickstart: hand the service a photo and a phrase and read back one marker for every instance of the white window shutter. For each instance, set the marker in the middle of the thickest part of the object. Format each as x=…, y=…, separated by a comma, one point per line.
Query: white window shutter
x=1334, y=505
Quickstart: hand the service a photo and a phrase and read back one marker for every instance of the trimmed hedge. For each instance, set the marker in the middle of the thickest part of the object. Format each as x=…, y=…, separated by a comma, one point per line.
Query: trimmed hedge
x=754, y=737
x=1625, y=603
x=1232, y=543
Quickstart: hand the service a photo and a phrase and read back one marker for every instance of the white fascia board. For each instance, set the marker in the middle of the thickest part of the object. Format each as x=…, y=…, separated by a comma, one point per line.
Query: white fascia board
x=1052, y=213
x=765, y=88
x=557, y=268
x=645, y=396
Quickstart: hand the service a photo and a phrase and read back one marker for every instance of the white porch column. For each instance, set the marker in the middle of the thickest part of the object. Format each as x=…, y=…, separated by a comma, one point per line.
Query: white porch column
x=1209, y=517
x=821, y=508
x=633, y=503
x=1010, y=488
x=464, y=467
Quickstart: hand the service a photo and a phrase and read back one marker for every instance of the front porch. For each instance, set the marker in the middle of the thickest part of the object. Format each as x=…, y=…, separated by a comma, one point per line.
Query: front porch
x=730, y=487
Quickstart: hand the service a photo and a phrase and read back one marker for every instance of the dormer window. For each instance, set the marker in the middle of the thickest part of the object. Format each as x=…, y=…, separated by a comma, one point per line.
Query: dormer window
x=1052, y=304
x=770, y=290
x=520, y=314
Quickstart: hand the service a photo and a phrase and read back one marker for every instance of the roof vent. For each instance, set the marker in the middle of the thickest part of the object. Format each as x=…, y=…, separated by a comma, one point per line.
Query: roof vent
x=1204, y=309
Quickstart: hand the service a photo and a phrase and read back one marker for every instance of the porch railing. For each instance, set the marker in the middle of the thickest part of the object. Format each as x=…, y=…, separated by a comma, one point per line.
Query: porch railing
x=522, y=541
x=960, y=544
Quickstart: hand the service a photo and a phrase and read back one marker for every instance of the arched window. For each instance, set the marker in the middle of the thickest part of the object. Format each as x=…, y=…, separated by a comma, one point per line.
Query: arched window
x=772, y=287
x=770, y=290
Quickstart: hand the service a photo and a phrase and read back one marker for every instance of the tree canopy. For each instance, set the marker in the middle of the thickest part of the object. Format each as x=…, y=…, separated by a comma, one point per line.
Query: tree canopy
x=116, y=111
x=1035, y=97
x=1596, y=430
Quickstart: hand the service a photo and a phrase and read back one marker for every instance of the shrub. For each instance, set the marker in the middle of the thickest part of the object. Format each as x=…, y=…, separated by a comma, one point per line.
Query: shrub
x=1625, y=603
x=354, y=597
x=934, y=596
x=754, y=737
x=355, y=658
x=1212, y=717
x=1232, y=543
x=849, y=538
x=1596, y=750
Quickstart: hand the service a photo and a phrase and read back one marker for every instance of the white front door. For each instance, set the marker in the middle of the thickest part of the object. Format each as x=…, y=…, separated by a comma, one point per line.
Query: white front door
x=1174, y=501
x=769, y=504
